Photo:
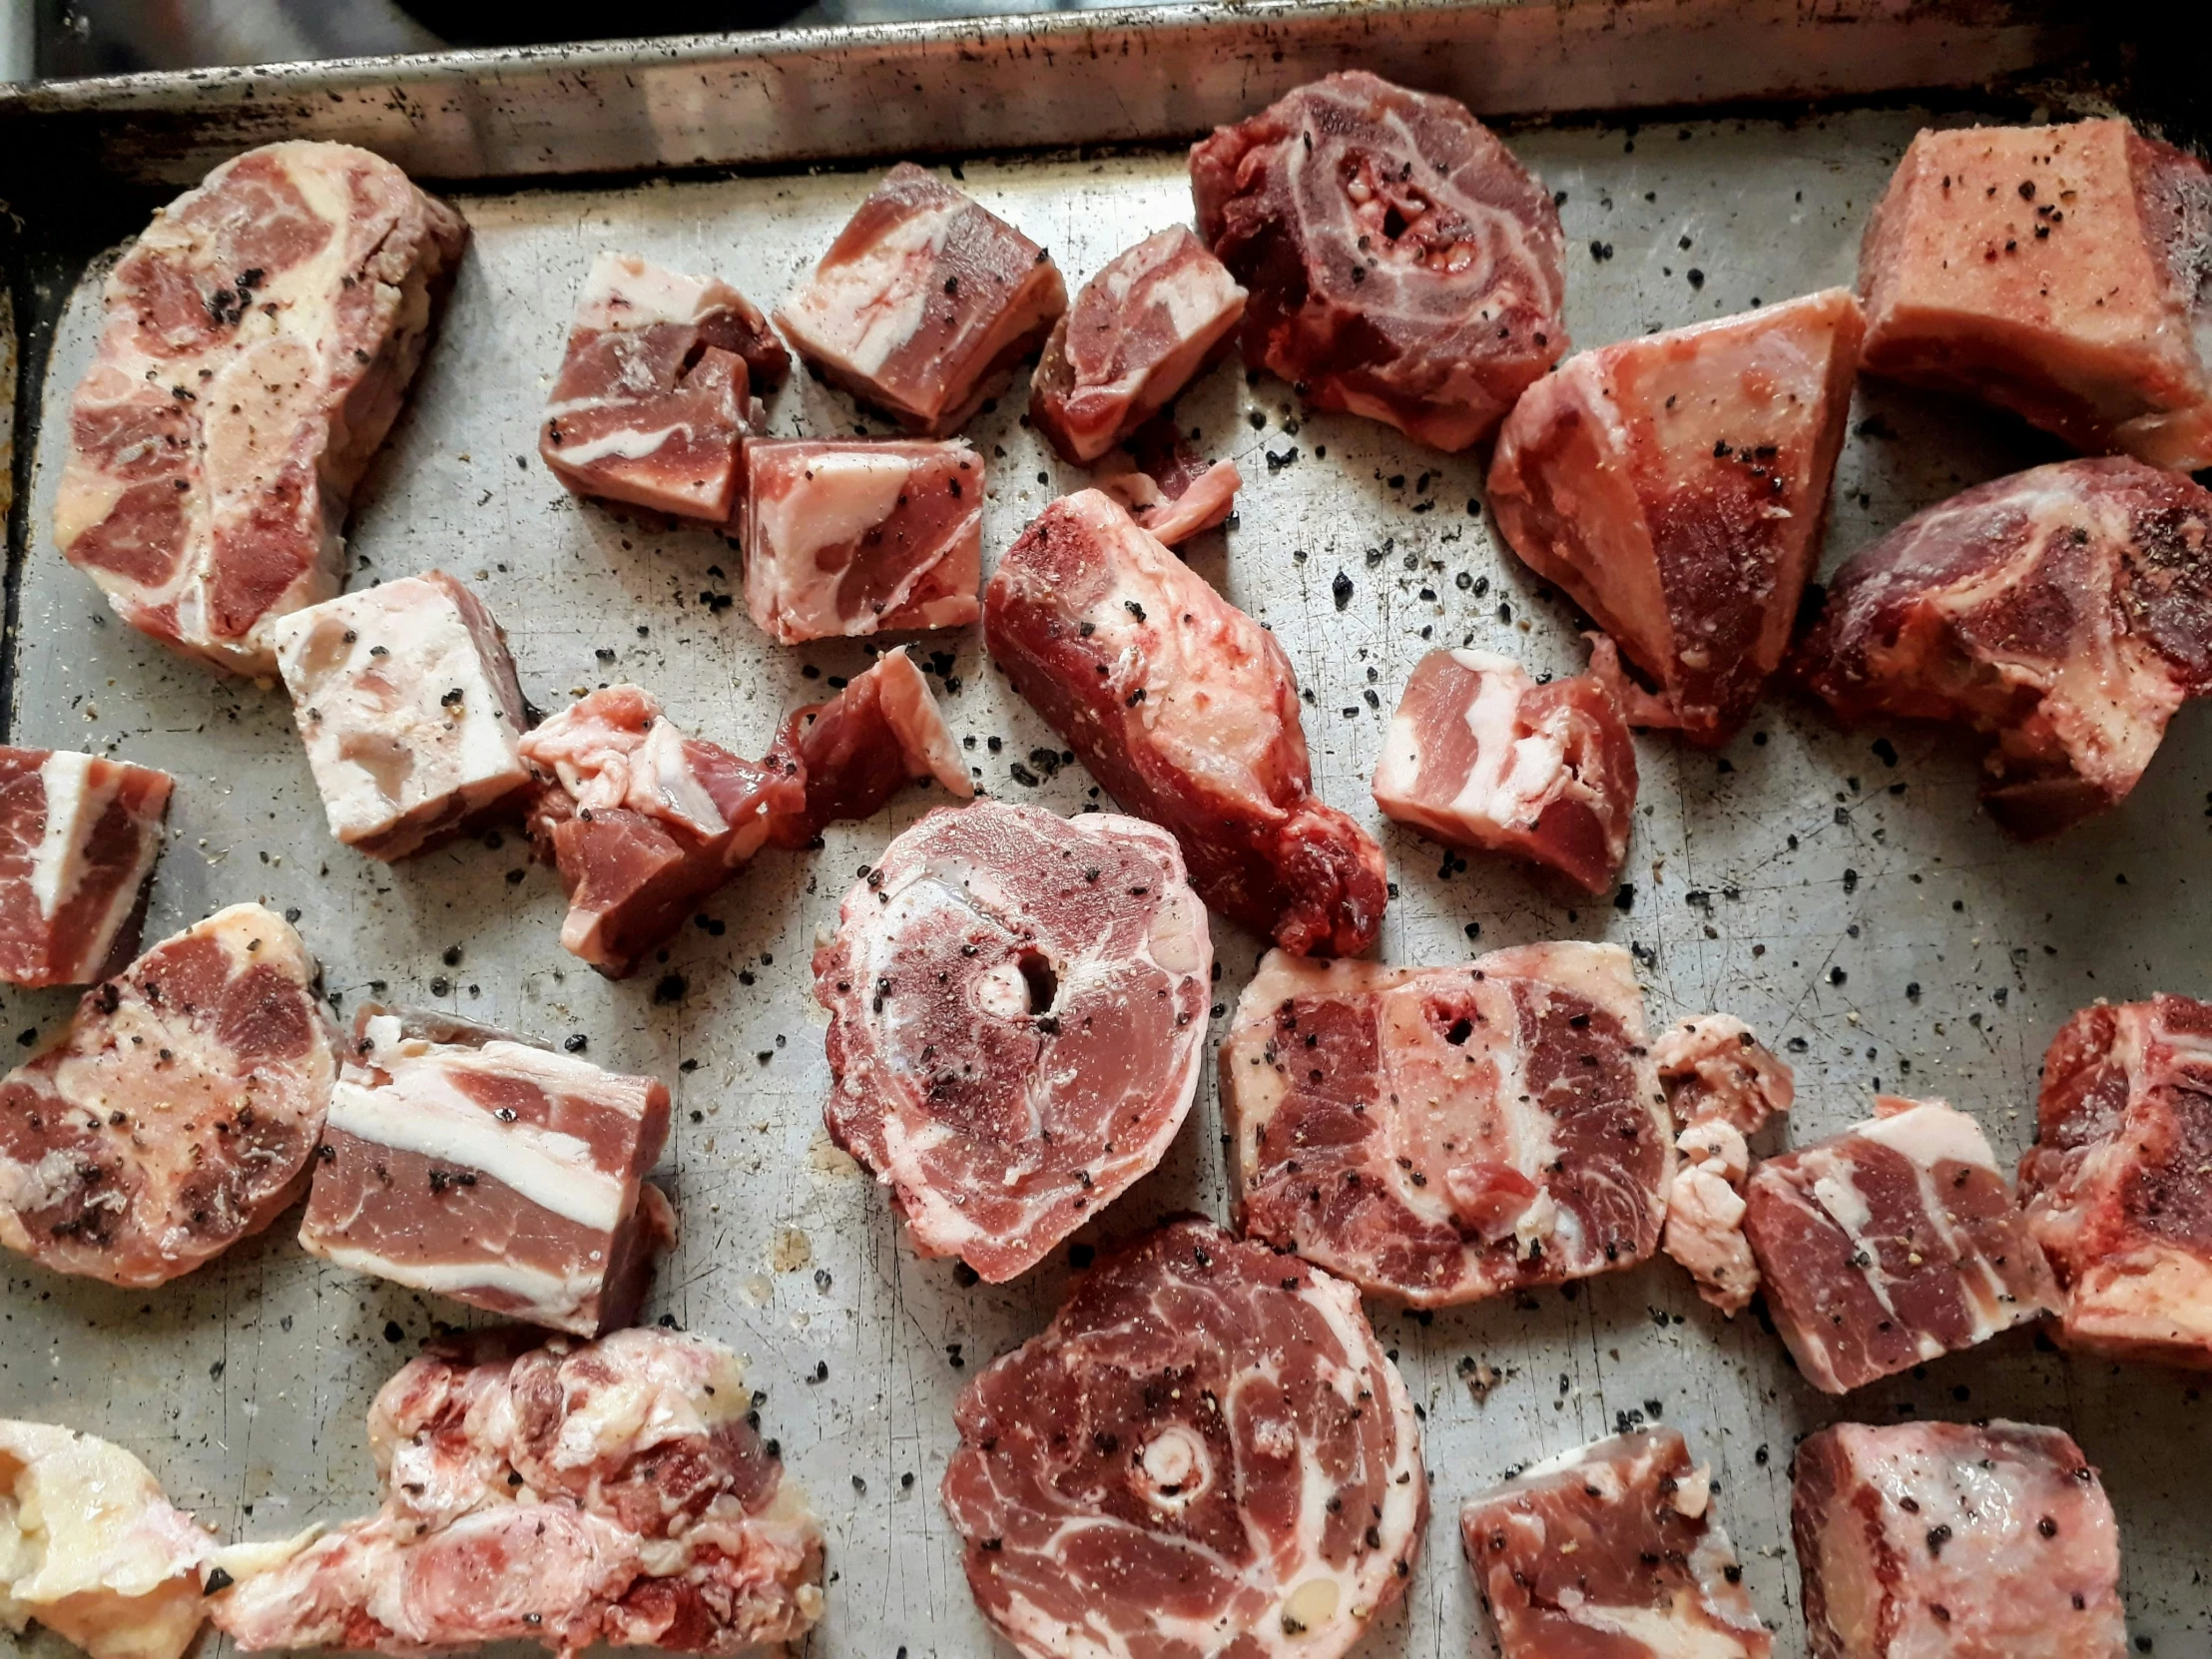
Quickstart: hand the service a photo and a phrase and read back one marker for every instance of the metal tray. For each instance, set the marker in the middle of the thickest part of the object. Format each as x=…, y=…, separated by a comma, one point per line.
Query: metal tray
x=1844, y=895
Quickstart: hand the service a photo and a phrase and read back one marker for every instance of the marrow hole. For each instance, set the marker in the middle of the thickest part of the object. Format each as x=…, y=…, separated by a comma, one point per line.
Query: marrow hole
x=1394, y=223
x=1462, y=1029
x=1043, y=983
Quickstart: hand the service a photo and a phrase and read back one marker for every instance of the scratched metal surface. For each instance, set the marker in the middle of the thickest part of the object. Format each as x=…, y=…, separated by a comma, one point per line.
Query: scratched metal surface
x=1843, y=894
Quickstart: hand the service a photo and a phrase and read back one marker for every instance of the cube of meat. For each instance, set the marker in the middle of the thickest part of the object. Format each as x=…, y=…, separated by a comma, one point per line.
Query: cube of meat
x=1187, y=710
x=2056, y=272
x=1138, y=333
x=490, y=1170
x=1894, y=1243
x=855, y=751
x=849, y=536
x=1676, y=486
x=1168, y=487
x=1445, y=1134
x=259, y=339
x=923, y=301
x=1480, y=754
x=79, y=835
x=1611, y=1551
x=2115, y=1184
x=1721, y=1085
x=655, y=391
x=1990, y=1541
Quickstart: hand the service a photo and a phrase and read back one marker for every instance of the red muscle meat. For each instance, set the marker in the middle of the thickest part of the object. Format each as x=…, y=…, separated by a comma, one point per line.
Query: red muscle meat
x=179, y=1112
x=1168, y=487
x=855, y=751
x=1611, y=1552
x=1993, y=1542
x=923, y=302
x=2115, y=1184
x=260, y=339
x=1017, y=1003
x=1893, y=1244
x=79, y=835
x=2057, y=272
x=2066, y=610
x=1480, y=754
x=1402, y=264
x=1721, y=1085
x=1147, y=1476
x=1187, y=710
x=1445, y=1134
x=611, y=1491
x=1676, y=486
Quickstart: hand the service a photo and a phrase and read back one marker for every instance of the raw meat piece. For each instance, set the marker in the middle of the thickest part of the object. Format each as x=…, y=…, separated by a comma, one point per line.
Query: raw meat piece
x=855, y=751
x=79, y=835
x=1611, y=1552
x=2066, y=610
x=1480, y=754
x=1403, y=264
x=852, y=536
x=1891, y=1244
x=1138, y=333
x=655, y=391
x=1715, y=1070
x=1017, y=1003
x=1721, y=1085
x=1148, y=1475
x=2057, y=272
x=409, y=704
x=2115, y=1185
x=178, y=1113
x=1187, y=710
x=1444, y=1134
x=1991, y=1541
x=1168, y=487
x=260, y=339
x=463, y=1161
x=923, y=301
x=610, y=1491
x=1676, y=486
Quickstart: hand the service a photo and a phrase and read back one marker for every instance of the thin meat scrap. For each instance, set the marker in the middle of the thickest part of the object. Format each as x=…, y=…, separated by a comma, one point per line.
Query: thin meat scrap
x=1676, y=486
x=1893, y=1244
x=921, y=304
x=1206, y=1453
x=259, y=339
x=1017, y=1008
x=1721, y=1085
x=1187, y=710
x=1611, y=1551
x=855, y=751
x=1446, y=1134
x=179, y=1112
x=614, y=1491
x=79, y=835
x=2057, y=272
x=2066, y=611
x=1402, y=264
x=1989, y=1542
x=1168, y=487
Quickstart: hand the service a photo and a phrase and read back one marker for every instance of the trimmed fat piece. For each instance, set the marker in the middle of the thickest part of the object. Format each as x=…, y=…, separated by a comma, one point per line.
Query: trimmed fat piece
x=883, y=731
x=1138, y=333
x=259, y=339
x=923, y=301
x=858, y=536
x=494, y=1171
x=1940, y=1540
x=408, y=704
x=2066, y=611
x=1480, y=754
x=1168, y=487
x=1187, y=710
x=2056, y=272
x=1721, y=1085
x=610, y=1491
x=79, y=835
x=1402, y=264
x=1611, y=1552
x=1446, y=1134
x=1017, y=1003
x=179, y=1112
x=655, y=391
x=1893, y=1244
x=2115, y=1184
x=1147, y=1475
x=1676, y=486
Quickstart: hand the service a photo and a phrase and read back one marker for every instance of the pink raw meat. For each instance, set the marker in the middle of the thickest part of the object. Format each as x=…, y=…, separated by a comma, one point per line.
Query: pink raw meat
x=855, y=751
x=79, y=835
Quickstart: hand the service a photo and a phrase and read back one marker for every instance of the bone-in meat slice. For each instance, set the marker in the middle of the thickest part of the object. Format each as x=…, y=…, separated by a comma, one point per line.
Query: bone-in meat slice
x=1720, y=1084
x=259, y=339
x=1207, y=1452
x=855, y=751
x=79, y=835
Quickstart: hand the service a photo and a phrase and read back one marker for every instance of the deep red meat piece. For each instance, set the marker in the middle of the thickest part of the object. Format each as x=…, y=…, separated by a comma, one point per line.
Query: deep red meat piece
x=79, y=835
x=854, y=753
